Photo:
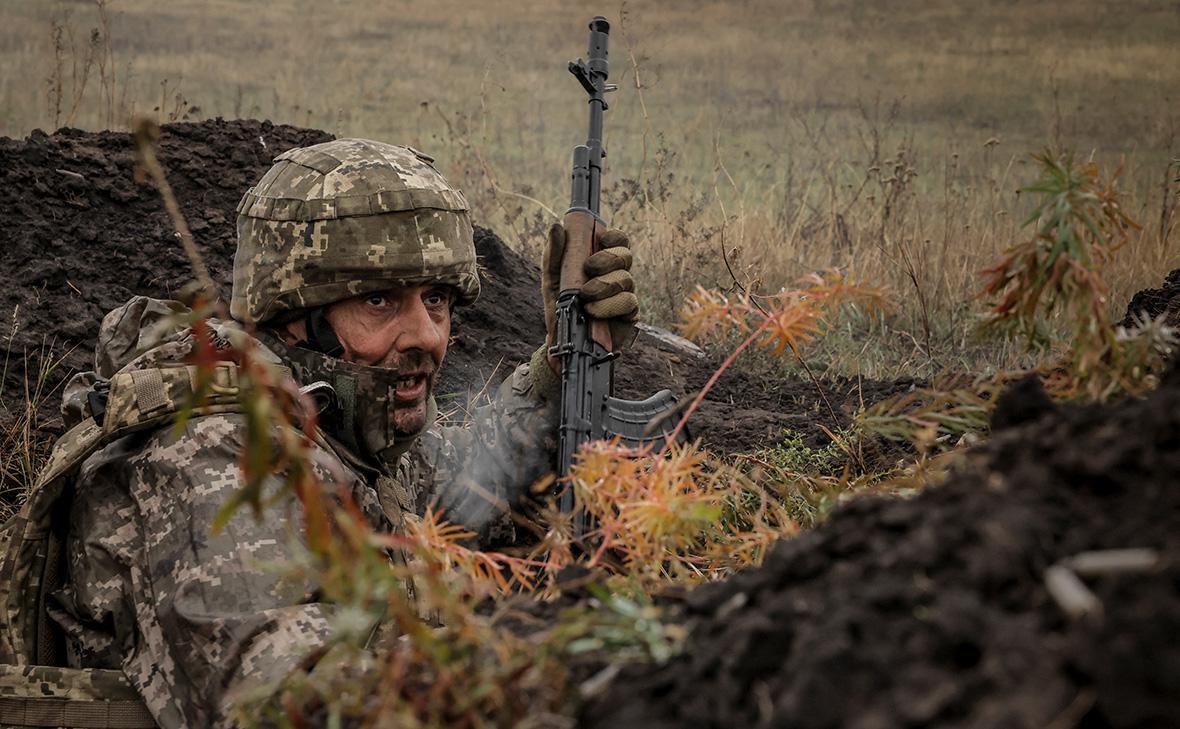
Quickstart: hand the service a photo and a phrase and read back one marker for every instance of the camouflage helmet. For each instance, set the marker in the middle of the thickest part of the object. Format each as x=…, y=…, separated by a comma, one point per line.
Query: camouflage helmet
x=348, y=217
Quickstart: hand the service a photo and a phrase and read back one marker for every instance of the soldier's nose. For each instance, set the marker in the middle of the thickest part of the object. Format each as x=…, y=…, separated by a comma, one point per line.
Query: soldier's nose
x=419, y=330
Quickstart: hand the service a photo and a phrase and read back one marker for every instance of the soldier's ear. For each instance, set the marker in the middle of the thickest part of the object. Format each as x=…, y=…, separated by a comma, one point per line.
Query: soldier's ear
x=293, y=332
x=288, y=326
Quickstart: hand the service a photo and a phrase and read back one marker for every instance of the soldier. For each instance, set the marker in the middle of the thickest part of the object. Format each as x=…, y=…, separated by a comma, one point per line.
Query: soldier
x=351, y=258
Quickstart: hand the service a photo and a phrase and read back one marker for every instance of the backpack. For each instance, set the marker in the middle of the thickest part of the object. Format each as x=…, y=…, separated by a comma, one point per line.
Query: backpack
x=35, y=690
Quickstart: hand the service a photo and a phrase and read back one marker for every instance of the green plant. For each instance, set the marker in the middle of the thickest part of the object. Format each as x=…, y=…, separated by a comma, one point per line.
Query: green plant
x=1054, y=276
x=1078, y=224
x=793, y=455
x=626, y=628
x=933, y=418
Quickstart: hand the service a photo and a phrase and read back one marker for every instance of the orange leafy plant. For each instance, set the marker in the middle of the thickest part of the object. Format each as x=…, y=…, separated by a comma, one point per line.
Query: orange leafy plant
x=680, y=515
x=789, y=319
x=435, y=541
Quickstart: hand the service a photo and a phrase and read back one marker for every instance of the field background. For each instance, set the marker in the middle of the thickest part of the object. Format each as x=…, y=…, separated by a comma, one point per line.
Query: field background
x=750, y=141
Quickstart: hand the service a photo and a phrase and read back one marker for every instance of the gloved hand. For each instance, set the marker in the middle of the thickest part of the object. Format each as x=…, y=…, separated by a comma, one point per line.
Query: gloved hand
x=609, y=291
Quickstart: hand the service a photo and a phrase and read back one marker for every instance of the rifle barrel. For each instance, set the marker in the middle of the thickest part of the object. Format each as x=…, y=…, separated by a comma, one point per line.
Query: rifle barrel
x=593, y=74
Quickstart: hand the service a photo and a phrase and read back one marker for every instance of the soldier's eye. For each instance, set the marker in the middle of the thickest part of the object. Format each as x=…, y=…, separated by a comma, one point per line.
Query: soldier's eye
x=436, y=298
x=376, y=300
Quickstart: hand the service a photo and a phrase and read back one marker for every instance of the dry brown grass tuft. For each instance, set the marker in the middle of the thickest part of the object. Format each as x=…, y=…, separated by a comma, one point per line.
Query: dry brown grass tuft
x=23, y=449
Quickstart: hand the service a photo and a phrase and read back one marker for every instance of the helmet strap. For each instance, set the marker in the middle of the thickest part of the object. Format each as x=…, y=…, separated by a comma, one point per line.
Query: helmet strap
x=320, y=335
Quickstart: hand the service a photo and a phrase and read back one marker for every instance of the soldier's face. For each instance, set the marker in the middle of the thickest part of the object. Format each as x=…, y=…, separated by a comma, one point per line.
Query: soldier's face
x=407, y=328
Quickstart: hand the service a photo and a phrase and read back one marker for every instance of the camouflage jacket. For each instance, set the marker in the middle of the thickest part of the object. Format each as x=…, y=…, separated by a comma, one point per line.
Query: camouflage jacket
x=193, y=619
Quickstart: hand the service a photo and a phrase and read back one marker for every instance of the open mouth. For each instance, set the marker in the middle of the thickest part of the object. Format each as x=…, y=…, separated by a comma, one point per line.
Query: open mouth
x=412, y=387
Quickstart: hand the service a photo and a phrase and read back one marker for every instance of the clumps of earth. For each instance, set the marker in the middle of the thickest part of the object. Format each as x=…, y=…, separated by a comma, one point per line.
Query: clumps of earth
x=1155, y=303
x=927, y=612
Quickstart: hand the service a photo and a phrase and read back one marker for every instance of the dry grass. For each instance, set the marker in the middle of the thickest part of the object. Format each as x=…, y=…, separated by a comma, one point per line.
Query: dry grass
x=751, y=143
x=23, y=448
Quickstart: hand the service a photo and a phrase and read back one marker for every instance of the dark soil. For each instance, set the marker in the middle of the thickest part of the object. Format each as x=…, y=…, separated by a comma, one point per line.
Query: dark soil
x=933, y=611
x=1156, y=302
x=81, y=237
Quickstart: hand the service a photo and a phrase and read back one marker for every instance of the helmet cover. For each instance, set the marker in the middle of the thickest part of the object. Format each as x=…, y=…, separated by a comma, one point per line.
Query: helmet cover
x=344, y=218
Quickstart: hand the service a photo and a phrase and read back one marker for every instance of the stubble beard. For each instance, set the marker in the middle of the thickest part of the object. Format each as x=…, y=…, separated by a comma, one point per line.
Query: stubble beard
x=409, y=418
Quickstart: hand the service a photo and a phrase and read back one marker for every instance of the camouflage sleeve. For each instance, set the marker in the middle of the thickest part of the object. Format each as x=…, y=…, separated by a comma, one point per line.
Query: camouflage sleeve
x=196, y=617
x=475, y=472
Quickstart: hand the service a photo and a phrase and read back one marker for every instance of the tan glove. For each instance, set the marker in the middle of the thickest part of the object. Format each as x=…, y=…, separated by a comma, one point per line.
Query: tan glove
x=609, y=292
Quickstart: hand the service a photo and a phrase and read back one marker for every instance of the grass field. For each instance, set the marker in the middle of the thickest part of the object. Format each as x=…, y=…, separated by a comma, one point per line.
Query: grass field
x=750, y=142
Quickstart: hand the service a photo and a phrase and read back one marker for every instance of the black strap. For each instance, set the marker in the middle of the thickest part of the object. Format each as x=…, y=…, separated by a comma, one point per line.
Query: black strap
x=97, y=400
x=320, y=335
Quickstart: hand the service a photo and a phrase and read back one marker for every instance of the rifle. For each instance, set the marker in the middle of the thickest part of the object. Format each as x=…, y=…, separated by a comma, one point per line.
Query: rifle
x=589, y=411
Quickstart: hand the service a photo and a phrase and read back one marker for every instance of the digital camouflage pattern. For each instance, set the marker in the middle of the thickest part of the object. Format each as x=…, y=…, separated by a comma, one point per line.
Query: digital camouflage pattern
x=348, y=217
x=64, y=683
x=41, y=696
x=194, y=619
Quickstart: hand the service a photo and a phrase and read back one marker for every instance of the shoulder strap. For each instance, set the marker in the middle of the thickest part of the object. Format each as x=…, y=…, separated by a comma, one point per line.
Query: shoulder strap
x=39, y=711
x=47, y=696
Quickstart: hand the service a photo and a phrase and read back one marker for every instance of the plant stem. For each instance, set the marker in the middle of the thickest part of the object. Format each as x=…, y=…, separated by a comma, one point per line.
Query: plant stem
x=671, y=438
x=146, y=133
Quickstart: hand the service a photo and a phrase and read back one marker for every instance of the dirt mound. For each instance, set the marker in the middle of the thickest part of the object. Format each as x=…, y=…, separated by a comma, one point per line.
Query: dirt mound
x=1154, y=302
x=934, y=611
x=82, y=237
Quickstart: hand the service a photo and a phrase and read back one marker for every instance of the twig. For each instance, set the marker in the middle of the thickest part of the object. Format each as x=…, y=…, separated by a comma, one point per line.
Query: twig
x=146, y=133
x=720, y=166
x=818, y=388
x=1113, y=561
x=696, y=401
x=1064, y=584
x=1070, y=593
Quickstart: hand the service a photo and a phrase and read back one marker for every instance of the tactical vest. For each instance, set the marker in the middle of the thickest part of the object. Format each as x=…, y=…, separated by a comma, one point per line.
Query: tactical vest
x=35, y=690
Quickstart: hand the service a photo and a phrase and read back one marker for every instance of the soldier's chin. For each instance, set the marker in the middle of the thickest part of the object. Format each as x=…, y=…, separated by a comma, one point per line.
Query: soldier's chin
x=409, y=419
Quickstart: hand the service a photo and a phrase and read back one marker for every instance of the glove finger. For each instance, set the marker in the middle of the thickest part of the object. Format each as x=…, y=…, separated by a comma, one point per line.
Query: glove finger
x=607, y=285
x=613, y=238
x=606, y=260
x=554, y=251
x=623, y=306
